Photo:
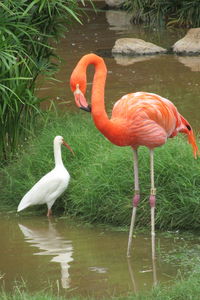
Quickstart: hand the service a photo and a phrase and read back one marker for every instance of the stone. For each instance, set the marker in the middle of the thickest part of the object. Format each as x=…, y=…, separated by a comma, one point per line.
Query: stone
x=189, y=44
x=133, y=46
x=119, y=20
x=114, y=3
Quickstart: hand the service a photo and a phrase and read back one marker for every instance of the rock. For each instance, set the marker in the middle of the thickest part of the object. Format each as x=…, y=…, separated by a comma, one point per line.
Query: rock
x=119, y=20
x=132, y=46
x=190, y=44
x=114, y=3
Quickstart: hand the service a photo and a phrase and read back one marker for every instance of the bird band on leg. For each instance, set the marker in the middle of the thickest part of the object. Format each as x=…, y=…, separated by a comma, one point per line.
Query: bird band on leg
x=152, y=197
x=136, y=198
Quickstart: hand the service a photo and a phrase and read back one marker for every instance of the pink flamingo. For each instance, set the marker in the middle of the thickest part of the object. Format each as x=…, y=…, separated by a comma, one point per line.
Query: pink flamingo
x=138, y=119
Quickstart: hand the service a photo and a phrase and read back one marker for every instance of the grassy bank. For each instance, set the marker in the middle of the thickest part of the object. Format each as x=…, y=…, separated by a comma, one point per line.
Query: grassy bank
x=101, y=186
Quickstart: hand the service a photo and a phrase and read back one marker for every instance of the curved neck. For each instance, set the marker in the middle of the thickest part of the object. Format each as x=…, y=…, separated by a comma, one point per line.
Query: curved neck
x=97, y=100
x=57, y=155
x=107, y=127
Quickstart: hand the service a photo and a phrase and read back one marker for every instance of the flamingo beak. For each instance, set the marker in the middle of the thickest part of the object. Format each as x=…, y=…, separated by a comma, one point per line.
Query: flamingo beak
x=66, y=145
x=80, y=100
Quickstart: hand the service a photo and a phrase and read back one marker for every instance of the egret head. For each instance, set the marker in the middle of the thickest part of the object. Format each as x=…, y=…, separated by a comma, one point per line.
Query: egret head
x=59, y=140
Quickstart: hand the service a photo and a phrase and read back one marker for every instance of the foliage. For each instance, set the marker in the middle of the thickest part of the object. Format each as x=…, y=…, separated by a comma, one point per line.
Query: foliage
x=184, y=13
x=27, y=29
x=101, y=186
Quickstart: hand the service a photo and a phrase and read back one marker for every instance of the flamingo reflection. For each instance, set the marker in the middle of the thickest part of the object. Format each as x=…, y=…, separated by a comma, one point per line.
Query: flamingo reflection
x=132, y=277
x=51, y=243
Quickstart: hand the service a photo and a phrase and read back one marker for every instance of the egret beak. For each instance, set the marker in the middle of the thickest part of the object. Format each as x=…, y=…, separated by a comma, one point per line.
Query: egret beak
x=66, y=145
x=80, y=100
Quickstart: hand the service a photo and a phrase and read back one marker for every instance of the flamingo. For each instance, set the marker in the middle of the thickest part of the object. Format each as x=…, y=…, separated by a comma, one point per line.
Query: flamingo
x=51, y=185
x=138, y=119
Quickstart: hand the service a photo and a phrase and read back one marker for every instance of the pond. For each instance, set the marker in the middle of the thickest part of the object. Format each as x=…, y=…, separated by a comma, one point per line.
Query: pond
x=71, y=258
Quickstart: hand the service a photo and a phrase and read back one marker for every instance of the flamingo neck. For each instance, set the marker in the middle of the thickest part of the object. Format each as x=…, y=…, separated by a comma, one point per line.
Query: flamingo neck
x=106, y=126
x=57, y=155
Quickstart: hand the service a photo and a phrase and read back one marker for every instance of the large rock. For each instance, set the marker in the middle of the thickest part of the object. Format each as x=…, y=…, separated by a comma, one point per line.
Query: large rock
x=132, y=46
x=190, y=44
x=114, y=3
x=119, y=20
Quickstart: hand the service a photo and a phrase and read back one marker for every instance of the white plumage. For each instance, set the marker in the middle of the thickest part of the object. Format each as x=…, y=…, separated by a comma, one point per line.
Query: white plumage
x=51, y=185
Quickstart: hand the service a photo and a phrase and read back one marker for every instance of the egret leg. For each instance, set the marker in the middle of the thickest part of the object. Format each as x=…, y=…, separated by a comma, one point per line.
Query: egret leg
x=152, y=201
x=136, y=199
x=49, y=212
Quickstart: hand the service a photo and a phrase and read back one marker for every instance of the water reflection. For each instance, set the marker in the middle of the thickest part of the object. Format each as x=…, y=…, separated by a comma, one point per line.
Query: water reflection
x=132, y=275
x=192, y=62
x=51, y=243
x=80, y=260
x=126, y=60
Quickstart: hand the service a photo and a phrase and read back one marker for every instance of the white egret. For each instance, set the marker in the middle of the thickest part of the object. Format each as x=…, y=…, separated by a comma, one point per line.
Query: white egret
x=51, y=185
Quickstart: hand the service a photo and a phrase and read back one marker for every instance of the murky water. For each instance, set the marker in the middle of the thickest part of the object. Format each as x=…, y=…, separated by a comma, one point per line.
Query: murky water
x=171, y=76
x=75, y=259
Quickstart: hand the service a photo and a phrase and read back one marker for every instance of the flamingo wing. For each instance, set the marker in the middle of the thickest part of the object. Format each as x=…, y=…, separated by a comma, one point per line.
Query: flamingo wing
x=149, y=119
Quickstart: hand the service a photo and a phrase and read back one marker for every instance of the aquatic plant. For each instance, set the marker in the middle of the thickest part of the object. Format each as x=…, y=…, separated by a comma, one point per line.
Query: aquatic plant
x=27, y=29
x=101, y=185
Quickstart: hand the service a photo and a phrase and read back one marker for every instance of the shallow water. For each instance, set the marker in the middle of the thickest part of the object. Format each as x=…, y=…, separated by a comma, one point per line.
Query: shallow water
x=173, y=77
x=77, y=259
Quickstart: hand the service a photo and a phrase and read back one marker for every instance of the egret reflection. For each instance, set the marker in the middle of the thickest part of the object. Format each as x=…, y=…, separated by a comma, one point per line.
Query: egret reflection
x=49, y=241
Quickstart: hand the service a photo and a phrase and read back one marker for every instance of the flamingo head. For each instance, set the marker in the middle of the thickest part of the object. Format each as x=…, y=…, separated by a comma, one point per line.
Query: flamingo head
x=78, y=87
x=80, y=99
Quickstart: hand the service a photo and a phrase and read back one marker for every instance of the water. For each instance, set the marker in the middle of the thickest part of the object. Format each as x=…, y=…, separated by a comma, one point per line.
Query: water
x=77, y=259
x=173, y=77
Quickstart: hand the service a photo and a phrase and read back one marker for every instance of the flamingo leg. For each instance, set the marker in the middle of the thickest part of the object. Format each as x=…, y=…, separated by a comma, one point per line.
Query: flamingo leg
x=136, y=199
x=152, y=201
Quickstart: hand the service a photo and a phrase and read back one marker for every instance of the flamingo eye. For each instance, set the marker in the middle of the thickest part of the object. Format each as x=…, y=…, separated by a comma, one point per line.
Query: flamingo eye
x=188, y=127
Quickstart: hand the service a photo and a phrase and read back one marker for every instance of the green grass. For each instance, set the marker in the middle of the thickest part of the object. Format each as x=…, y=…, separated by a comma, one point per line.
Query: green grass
x=101, y=186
